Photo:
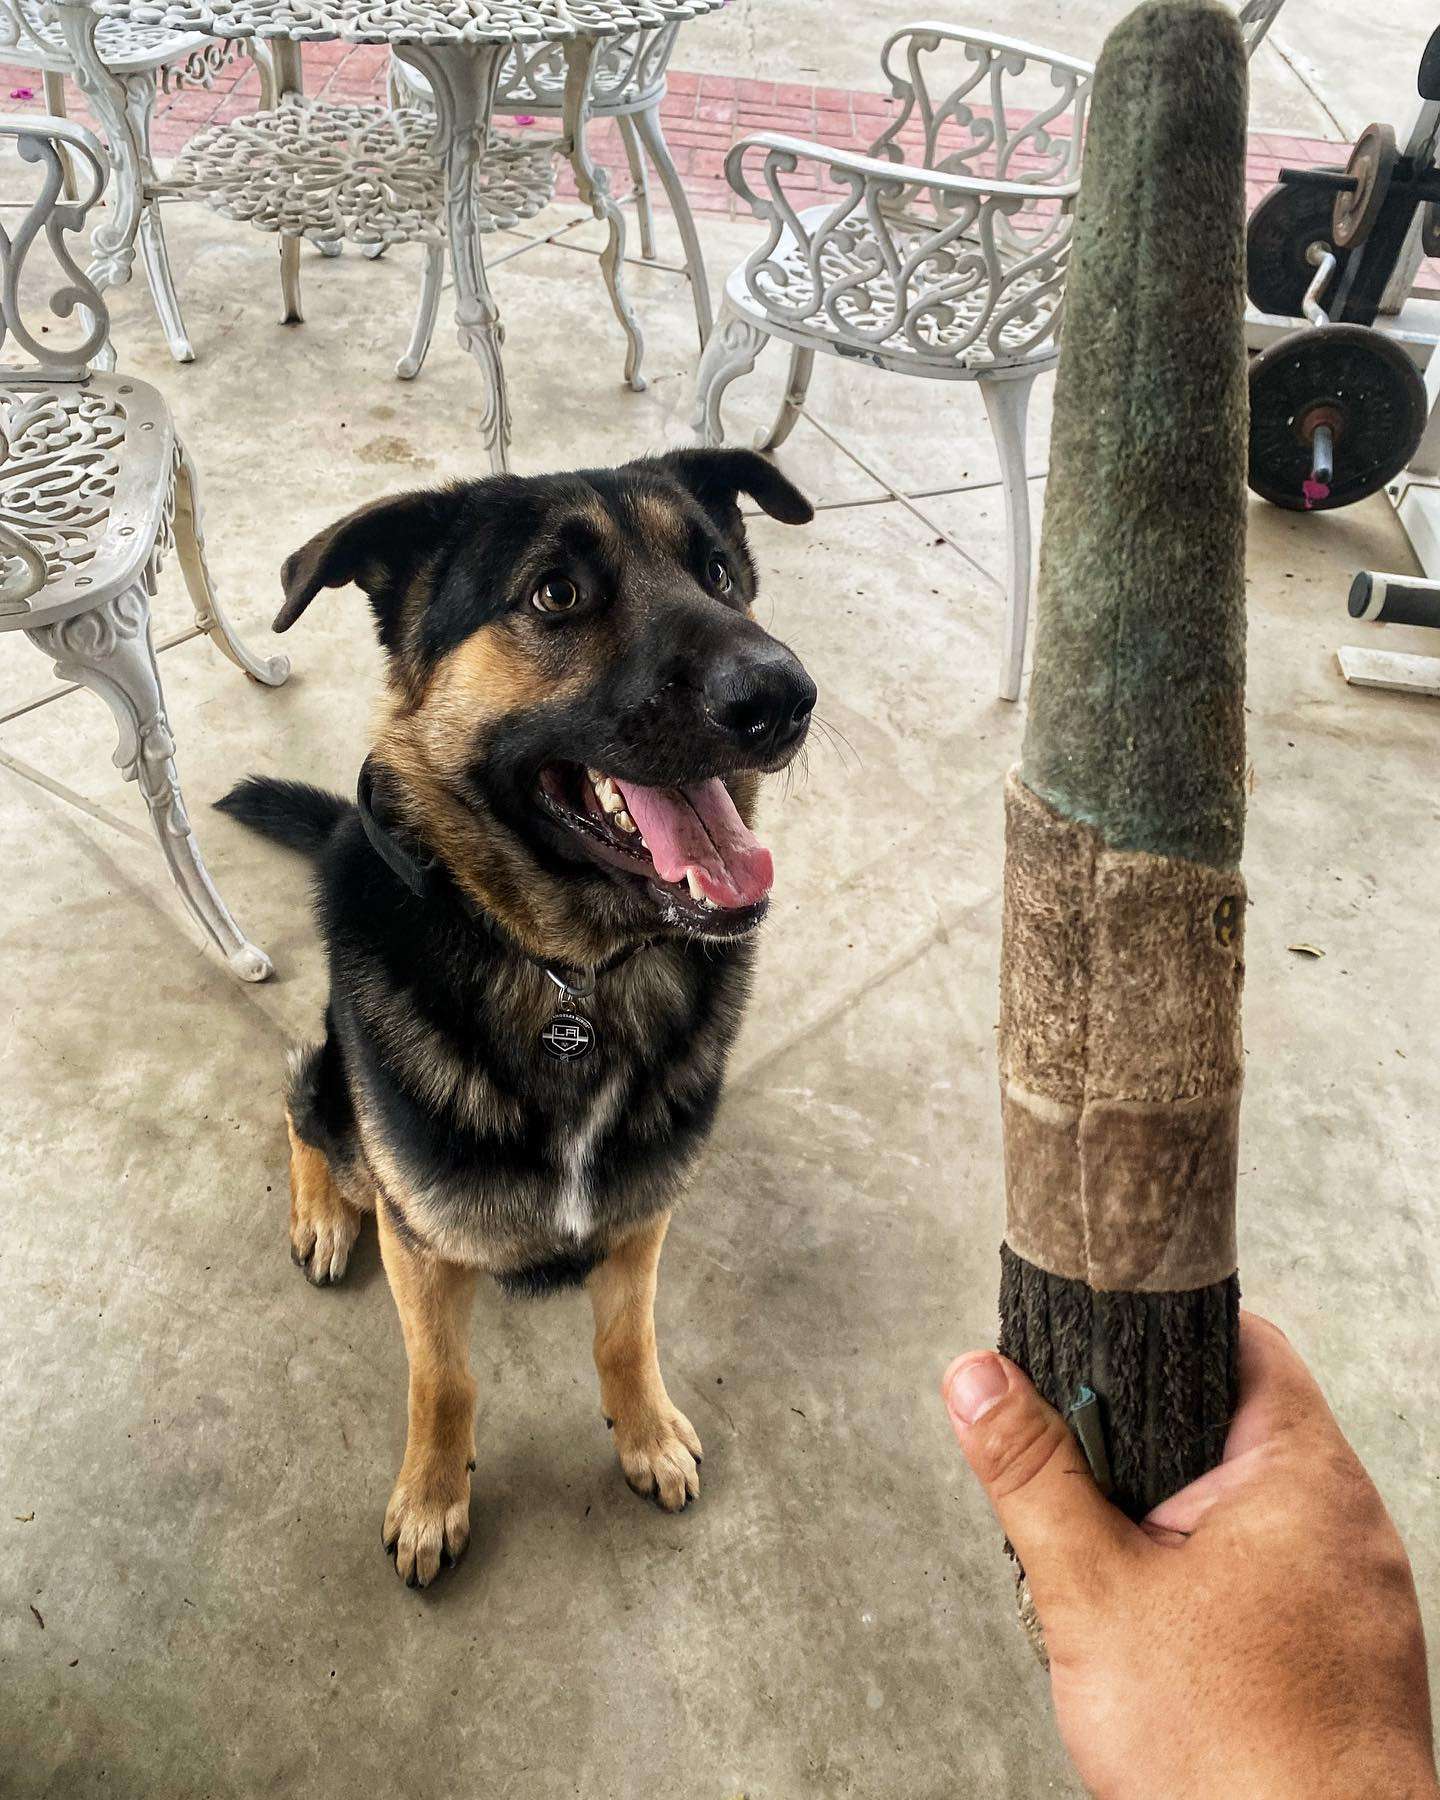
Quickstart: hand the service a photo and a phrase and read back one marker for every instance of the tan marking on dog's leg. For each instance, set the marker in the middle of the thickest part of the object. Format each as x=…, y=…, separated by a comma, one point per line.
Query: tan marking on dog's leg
x=427, y=1523
x=657, y=1445
x=323, y=1223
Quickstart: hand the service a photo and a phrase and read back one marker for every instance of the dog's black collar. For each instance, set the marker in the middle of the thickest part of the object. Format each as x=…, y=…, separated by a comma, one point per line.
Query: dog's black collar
x=419, y=875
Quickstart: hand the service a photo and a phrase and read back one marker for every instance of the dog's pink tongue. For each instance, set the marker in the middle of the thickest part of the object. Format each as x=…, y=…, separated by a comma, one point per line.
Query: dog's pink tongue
x=696, y=830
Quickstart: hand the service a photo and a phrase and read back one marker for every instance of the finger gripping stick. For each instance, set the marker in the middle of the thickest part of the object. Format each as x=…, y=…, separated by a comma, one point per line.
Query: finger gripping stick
x=1120, y=1052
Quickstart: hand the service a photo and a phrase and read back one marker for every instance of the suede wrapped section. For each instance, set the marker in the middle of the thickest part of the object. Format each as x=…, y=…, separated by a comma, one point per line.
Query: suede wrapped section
x=1120, y=1056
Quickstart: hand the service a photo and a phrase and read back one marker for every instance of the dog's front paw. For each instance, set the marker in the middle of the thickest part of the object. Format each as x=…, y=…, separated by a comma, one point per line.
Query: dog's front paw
x=323, y=1224
x=659, y=1451
x=321, y=1241
x=427, y=1525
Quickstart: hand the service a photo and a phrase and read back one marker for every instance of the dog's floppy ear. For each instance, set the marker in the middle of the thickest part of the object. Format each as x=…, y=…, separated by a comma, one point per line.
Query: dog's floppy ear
x=715, y=477
x=378, y=547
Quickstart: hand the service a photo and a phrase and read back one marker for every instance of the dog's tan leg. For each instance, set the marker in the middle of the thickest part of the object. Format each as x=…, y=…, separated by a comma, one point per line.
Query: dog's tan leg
x=427, y=1523
x=323, y=1223
x=657, y=1445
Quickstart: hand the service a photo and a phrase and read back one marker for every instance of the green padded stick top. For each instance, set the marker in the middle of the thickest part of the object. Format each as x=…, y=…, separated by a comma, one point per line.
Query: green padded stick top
x=1137, y=702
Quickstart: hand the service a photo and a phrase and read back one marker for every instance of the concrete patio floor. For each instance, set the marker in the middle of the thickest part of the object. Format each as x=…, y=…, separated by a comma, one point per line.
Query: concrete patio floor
x=196, y=1447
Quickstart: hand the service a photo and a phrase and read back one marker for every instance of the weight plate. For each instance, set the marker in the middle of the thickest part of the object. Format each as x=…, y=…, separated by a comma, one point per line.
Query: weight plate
x=1281, y=230
x=1427, y=79
x=1372, y=163
x=1358, y=382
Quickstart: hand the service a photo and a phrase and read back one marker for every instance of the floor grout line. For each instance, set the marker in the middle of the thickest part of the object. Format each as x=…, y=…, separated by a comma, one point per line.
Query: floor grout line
x=74, y=687
x=1292, y=62
x=58, y=790
x=939, y=933
x=904, y=500
x=941, y=493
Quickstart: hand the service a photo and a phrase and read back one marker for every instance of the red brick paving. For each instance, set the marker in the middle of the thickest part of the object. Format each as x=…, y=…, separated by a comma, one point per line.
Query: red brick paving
x=703, y=116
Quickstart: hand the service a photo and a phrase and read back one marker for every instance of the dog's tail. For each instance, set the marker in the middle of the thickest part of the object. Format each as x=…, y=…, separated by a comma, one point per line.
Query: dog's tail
x=291, y=812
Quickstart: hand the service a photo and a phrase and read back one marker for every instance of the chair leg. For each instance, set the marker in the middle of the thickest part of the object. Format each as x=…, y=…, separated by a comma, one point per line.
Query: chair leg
x=797, y=381
x=729, y=353
x=426, y=313
x=140, y=95
x=210, y=616
x=108, y=650
x=647, y=126
x=155, y=259
x=1006, y=403
x=463, y=90
x=290, y=313
x=54, y=84
x=259, y=53
x=640, y=175
x=593, y=185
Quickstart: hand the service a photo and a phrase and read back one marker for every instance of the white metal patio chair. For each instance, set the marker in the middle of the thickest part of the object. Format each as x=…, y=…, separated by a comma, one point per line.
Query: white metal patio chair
x=95, y=488
x=144, y=60
x=941, y=253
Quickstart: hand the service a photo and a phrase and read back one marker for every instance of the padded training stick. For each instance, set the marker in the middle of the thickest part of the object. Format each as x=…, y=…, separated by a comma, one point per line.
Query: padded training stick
x=1121, y=969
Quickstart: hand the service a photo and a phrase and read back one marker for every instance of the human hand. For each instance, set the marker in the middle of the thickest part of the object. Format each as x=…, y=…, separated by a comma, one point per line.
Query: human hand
x=1258, y=1634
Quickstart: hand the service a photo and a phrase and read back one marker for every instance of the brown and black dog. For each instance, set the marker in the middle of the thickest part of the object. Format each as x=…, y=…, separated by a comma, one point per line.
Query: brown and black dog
x=538, y=916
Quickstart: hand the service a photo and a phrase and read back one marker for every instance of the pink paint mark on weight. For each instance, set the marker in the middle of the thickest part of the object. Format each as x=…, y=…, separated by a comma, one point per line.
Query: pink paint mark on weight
x=22, y=93
x=1313, y=491
x=524, y=119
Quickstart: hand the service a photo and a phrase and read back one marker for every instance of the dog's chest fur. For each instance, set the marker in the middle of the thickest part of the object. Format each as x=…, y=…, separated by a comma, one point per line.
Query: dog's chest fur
x=497, y=1154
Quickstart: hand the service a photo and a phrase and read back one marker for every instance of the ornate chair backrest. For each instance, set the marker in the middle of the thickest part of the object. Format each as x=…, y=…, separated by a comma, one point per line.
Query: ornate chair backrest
x=39, y=140
x=984, y=107
x=974, y=276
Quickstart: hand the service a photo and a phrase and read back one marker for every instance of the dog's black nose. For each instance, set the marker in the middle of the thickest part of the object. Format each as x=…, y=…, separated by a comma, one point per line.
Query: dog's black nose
x=763, y=700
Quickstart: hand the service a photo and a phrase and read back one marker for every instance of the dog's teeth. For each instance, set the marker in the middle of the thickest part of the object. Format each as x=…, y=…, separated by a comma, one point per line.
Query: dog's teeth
x=711, y=905
x=692, y=881
x=625, y=822
x=595, y=776
x=609, y=795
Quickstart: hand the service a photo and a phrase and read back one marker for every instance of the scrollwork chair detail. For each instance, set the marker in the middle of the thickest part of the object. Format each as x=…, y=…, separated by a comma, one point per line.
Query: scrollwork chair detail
x=95, y=488
x=138, y=62
x=941, y=253
x=626, y=83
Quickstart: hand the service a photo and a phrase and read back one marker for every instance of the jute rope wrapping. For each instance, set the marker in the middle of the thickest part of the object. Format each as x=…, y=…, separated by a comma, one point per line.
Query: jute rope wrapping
x=1120, y=1051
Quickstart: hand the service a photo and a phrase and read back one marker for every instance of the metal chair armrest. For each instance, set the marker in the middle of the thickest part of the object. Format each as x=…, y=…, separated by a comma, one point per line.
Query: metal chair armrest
x=888, y=174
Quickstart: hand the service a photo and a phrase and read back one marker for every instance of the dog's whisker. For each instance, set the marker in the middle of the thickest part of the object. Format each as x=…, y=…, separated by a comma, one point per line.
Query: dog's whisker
x=838, y=742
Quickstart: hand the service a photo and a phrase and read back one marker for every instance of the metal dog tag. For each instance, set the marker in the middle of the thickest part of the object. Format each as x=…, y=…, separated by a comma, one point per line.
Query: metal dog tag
x=568, y=1036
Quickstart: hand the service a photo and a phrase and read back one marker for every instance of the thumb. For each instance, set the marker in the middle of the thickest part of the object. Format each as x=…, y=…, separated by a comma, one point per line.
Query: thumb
x=1067, y=1536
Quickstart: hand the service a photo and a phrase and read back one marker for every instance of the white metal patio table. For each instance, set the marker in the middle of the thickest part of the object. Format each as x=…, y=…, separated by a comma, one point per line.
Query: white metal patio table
x=458, y=45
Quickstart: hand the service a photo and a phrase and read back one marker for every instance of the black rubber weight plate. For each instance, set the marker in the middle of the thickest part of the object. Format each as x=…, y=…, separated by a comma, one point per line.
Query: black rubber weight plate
x=1368, y=382
x=1282, y=228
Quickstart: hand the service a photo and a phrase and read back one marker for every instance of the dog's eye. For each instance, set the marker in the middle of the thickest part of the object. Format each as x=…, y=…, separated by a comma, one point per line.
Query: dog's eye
x=718, y=575
x=556, y=594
